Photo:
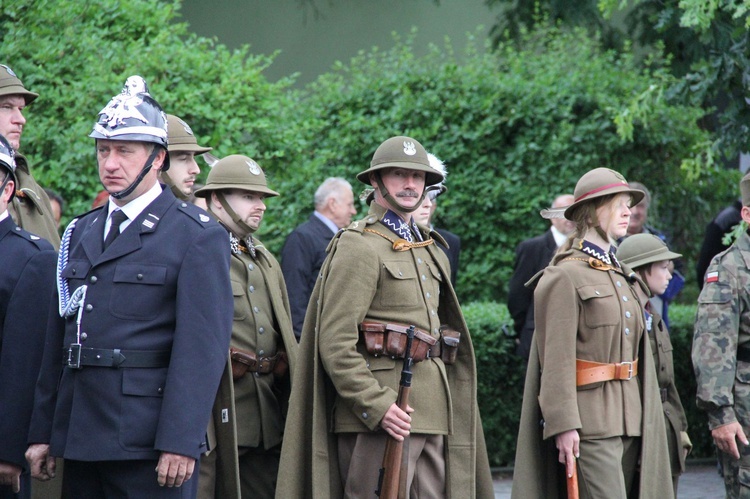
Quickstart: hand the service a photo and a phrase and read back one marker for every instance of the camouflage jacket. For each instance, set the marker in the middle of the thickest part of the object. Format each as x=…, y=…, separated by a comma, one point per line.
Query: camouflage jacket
x=722, y=327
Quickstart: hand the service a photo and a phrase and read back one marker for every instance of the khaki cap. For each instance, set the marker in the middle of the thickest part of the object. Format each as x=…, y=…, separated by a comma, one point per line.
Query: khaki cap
x=601, y=182
x=641, y=249
x=10, y=84
x=401, y=152
x=236, y=172
x=181, y=138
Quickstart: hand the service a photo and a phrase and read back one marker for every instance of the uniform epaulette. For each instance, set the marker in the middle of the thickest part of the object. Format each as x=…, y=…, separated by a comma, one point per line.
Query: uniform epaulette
x=37, y=241
x=197, y=214
x=437, y=237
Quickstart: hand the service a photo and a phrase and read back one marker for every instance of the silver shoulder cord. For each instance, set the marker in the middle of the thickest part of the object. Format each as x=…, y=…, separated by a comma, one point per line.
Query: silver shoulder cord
x=69, y=305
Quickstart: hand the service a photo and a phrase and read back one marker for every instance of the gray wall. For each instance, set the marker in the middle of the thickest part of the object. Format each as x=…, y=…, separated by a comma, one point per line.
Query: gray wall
x=311, y=45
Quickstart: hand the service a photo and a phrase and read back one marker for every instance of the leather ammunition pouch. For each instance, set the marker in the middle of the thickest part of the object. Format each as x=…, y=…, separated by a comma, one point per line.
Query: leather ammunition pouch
x=390, y=339
x=449, y=340
x=244, y=361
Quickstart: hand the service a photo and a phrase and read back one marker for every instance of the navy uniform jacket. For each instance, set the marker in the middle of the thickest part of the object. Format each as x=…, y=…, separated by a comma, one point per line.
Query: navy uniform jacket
x=27, y=281
x=301, y=258
x=163, y=285
x=532, y=255
x=452, y=251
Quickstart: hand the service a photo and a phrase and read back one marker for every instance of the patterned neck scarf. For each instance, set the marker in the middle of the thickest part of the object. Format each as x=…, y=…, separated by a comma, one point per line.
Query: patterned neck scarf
x=397, y=225
x=607, y=257
x=238, y=246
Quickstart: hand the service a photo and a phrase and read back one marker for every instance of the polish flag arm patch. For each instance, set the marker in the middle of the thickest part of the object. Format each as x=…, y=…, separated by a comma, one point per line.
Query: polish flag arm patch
x=712, y=276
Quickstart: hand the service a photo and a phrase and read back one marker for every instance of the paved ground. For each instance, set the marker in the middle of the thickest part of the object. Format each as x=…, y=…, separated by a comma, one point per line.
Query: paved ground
x=700, y=481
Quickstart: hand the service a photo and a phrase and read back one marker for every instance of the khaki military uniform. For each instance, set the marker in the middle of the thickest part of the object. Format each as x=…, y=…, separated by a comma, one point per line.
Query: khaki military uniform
x=720, y=358
x=340, y=389
x=674, y=414
x=248, y=415
x=31, y=208
x=590, y=313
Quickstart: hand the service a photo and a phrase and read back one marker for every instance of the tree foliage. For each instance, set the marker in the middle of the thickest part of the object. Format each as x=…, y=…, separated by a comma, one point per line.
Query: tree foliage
x=515, y=126
x=76, y=54
x=707, y=44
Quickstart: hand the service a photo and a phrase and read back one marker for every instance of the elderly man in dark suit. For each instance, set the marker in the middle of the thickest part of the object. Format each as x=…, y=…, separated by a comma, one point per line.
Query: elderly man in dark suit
x=532, y=255
x=27, y=280
x=305, y=247
x=143, y=326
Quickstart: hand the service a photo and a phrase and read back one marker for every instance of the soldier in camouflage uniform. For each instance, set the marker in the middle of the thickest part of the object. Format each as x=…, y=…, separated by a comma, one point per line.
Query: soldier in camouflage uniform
x=721, y=355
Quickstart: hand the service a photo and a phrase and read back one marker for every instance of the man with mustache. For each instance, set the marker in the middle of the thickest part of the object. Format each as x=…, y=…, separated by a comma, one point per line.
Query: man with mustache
x=383, y=274
x=30, y=208
x=248, y=414
x=182, y=149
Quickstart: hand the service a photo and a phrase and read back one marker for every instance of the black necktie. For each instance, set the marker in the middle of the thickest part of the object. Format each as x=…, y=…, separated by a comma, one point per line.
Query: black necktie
x=118, y=217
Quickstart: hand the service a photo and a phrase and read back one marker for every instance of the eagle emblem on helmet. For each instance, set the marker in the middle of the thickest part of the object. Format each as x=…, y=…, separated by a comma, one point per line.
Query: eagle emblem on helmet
x=187, y=128
x=253, y=167
x=10, y=71
x=125, y=105
x=409, y=148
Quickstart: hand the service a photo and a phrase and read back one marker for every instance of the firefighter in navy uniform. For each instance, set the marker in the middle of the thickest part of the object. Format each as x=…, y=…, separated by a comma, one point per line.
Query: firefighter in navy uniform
x=135, y=352
x=27, y=278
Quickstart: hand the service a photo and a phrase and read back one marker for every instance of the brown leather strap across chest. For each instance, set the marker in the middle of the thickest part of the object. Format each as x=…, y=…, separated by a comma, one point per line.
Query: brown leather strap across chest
x=588, y=372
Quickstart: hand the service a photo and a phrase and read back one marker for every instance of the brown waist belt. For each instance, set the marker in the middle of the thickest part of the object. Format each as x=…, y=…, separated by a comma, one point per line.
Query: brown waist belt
x=588, y=372
x=383, y=338
x=244, y=361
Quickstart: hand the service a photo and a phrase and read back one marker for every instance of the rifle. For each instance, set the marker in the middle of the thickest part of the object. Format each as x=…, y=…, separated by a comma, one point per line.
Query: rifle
x=393, y=472
x=573, y=482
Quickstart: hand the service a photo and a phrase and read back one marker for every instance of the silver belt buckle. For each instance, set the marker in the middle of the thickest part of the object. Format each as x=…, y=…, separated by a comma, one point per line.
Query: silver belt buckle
x=74, y=356
x=630, y=370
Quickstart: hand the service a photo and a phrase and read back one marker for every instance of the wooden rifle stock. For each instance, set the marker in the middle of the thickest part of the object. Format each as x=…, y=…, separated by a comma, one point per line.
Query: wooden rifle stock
x=392, y=479
x=573, y=482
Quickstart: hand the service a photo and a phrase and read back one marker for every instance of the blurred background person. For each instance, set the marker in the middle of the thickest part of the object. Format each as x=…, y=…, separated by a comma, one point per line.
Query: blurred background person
x=532, y=255
x=305, y=247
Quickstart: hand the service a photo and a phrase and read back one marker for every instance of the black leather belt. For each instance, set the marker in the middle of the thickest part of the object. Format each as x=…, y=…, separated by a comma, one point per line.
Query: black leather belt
x=76, y=357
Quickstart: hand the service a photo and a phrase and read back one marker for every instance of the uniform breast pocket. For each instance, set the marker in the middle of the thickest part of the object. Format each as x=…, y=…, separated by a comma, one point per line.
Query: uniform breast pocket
x=400, y=286
x=138, y=291
x=143, y=392
x=600, y=306
x=241, y=304
x=75, y=273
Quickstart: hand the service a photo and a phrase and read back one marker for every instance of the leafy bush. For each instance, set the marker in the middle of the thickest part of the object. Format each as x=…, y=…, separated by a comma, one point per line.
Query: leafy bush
x=515, y=127
x=76, y=55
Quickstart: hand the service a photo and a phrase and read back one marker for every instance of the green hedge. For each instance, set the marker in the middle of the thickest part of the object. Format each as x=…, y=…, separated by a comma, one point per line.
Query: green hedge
x=516, y=126
x=501, y=378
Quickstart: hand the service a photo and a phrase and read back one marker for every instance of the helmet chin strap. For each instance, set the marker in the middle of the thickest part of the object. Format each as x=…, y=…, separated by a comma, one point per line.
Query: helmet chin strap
x=144, y=171
x=235, y=218
x=392, y=200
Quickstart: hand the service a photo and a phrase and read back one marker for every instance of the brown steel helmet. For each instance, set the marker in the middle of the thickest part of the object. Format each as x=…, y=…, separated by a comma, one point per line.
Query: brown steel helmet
x=181, y=137
x=401, y=152
x=10, y=84
x=236, y=172
x=641, y=249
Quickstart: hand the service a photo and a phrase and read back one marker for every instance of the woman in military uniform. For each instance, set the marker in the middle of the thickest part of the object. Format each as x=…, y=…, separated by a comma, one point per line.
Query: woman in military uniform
x=590, y=379
x=649, y=257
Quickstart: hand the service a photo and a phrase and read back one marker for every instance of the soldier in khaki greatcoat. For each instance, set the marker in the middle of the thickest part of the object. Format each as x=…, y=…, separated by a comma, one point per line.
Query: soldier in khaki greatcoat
x=248, y=415
x=591, y=379
x=30, y=208
x=721, y=355
x=650, y=257
x=383, y=273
